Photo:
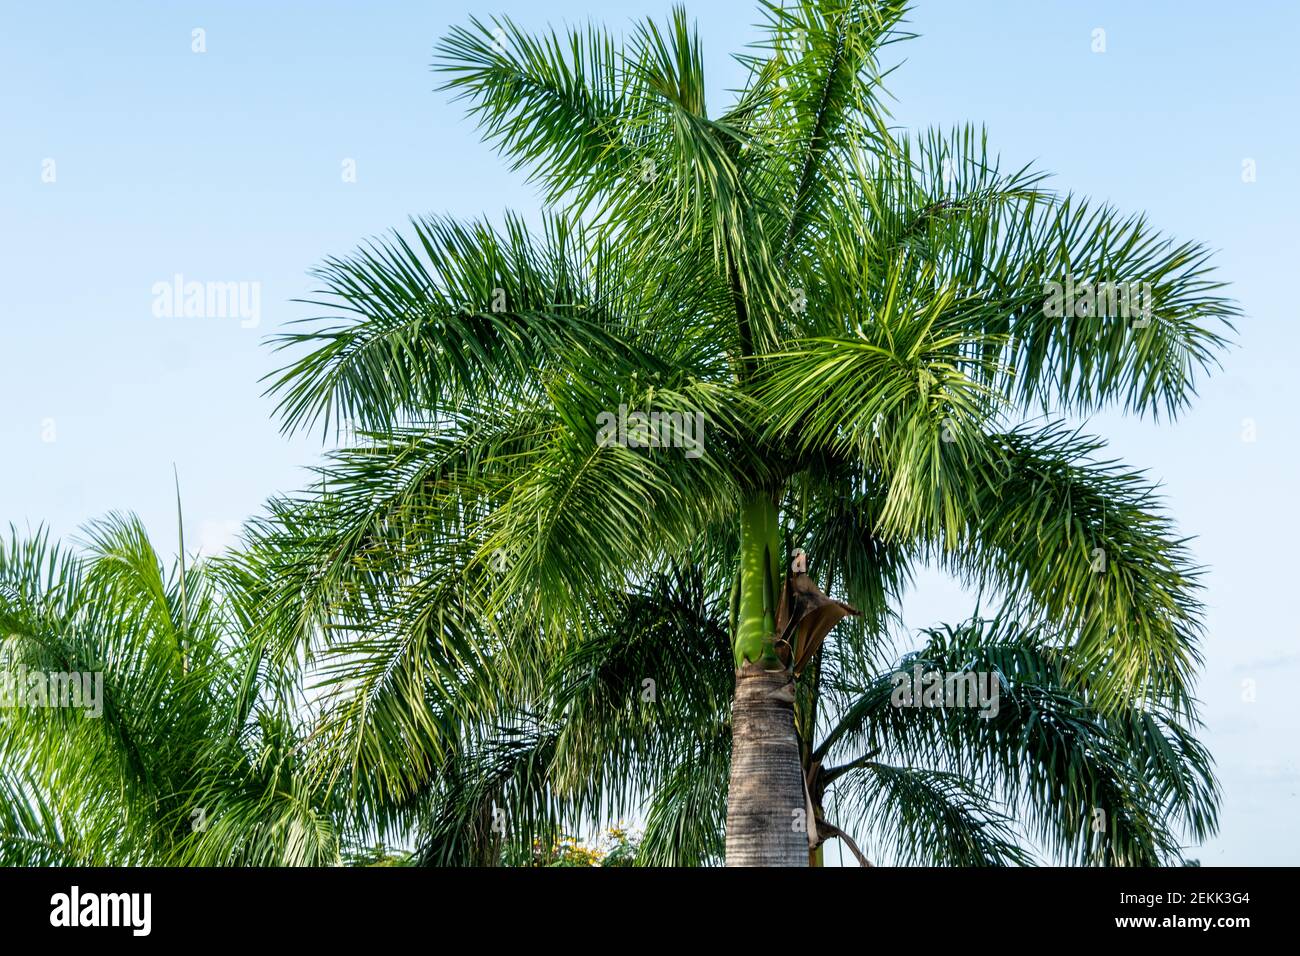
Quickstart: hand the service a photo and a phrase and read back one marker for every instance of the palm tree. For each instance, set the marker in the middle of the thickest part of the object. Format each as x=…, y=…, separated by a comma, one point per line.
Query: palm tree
x=187, y=746
x=847, y=338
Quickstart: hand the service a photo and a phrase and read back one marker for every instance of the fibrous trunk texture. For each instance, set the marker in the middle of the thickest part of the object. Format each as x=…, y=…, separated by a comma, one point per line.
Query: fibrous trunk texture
x=766, y=804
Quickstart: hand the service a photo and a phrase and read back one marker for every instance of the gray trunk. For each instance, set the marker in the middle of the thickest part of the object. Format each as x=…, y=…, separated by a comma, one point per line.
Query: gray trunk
x=766, y=807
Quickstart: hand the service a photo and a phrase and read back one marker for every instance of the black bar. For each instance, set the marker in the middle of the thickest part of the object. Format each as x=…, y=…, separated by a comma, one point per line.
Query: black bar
x=610, y=908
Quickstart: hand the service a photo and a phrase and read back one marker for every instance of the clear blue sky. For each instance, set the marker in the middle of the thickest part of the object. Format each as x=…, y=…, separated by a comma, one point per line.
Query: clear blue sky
x=226, y=166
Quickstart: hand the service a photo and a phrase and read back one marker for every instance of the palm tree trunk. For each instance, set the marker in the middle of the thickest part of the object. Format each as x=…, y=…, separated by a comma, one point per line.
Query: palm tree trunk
x=766, y=808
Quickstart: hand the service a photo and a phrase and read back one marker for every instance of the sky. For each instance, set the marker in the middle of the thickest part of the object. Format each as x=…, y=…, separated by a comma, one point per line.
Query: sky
x=128, y=157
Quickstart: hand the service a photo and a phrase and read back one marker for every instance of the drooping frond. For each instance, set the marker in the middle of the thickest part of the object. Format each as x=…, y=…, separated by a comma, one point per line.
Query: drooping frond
x=1109, y=786
x=1067, y=305
x=929, y=817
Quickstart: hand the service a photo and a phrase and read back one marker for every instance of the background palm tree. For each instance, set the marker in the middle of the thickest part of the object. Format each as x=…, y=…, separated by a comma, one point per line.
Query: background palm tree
x=196, y=756
x=859, y=316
